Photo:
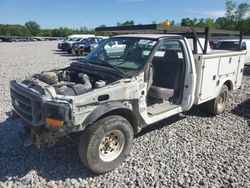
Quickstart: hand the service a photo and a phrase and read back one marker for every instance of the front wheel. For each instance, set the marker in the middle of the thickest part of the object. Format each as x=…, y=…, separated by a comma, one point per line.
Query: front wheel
x=219, y=104
x=106, y=144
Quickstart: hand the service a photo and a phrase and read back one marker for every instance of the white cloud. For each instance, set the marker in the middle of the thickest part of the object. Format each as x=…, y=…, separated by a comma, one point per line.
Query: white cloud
x=209, y=13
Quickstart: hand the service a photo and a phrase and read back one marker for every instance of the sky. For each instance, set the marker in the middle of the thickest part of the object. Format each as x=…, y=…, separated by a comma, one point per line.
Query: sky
x=92, y=13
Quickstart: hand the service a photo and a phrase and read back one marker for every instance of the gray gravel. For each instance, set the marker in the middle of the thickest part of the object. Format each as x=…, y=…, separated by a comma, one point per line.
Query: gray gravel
x=190, y=149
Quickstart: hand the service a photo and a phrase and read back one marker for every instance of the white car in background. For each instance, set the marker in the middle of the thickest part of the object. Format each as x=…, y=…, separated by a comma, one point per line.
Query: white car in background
x=71, y=39
x=234, y=45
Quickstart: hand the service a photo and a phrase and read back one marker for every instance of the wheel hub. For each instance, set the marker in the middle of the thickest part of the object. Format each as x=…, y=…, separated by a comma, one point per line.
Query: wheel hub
x=111, y=146
x=222, y=99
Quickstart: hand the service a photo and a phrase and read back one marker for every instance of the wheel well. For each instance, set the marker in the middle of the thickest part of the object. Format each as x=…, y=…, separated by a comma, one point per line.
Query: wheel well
x=229, y=84
x=127, y=114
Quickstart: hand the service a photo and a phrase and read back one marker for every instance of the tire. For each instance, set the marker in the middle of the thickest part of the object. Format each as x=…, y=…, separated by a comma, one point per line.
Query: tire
x=219, y=104
x=106, y=144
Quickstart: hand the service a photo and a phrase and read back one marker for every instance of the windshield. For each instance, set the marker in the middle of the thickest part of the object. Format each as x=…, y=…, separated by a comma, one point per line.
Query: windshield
x=128, y=53
x=74, y=39
x=65, y=39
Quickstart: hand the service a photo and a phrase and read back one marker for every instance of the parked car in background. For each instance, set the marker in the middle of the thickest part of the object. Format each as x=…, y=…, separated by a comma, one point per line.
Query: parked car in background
x=26, y=39
x=86, y=46
x=9, y=39
x=70, y=37
x=213, y=43
x=15, y=39
x=233, y=45
x=66, y=44
x=199, y=49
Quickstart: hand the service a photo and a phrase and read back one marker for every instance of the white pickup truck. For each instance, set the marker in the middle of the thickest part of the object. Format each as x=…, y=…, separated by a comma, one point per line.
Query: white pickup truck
x=109, y=97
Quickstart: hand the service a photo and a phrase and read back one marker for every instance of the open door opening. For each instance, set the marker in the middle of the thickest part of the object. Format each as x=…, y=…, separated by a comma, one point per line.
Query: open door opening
x=166, y=89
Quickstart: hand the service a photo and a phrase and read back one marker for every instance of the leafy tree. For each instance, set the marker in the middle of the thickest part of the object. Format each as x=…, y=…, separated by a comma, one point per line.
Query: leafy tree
x=242, y=10
x=221, y=23
x=234, y=17
x=33, y=27
x=230, y=7
x=13, y=30
x=126, y=23
x=188, y=22
x=102, y=25
x=45, y=32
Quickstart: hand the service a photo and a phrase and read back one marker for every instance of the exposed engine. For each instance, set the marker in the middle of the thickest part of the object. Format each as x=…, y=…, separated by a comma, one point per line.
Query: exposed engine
x=70, y=82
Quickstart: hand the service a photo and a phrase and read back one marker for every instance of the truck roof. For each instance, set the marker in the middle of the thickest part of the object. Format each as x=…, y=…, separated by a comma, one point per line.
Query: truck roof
x=150, y=36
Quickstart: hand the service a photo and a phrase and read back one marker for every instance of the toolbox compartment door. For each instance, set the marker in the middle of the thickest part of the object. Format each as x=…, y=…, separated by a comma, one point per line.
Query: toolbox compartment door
x=228, y=65
x=209, y=78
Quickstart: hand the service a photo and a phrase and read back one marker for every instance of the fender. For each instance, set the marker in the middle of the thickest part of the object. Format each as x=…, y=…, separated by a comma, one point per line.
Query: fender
x=228, y=81
x=102, y=110
x=118, y=108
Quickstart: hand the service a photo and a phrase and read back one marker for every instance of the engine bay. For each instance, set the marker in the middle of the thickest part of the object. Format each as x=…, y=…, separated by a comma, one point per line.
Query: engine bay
x=70, y=82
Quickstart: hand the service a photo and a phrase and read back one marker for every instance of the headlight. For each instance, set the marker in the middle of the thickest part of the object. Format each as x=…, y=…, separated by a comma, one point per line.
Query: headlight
x=56, y=114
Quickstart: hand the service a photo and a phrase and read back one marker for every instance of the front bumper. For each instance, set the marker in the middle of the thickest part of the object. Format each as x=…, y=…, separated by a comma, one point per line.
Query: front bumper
x=59, y=46
x=66, y=47
x=34, y=108
x=28, y=104
x=74, y=51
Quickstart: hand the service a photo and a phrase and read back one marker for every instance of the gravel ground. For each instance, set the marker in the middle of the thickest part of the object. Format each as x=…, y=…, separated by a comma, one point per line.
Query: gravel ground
x=190, y=149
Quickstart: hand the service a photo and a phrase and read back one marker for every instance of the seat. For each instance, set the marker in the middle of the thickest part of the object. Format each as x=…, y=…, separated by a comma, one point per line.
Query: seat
x=135, y=55
x=166, y=77
x=160, y=92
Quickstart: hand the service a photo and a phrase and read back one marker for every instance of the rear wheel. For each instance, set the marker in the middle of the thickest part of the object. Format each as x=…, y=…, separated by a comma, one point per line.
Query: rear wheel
x=106, y=144
x=219, y=104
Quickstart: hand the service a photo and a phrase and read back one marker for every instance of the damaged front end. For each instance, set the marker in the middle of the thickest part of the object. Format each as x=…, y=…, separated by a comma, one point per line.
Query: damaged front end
x=45, y=100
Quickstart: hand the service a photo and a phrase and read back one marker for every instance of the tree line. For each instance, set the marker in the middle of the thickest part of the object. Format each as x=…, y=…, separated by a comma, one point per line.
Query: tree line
x=237, y=17
x=32, y=28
